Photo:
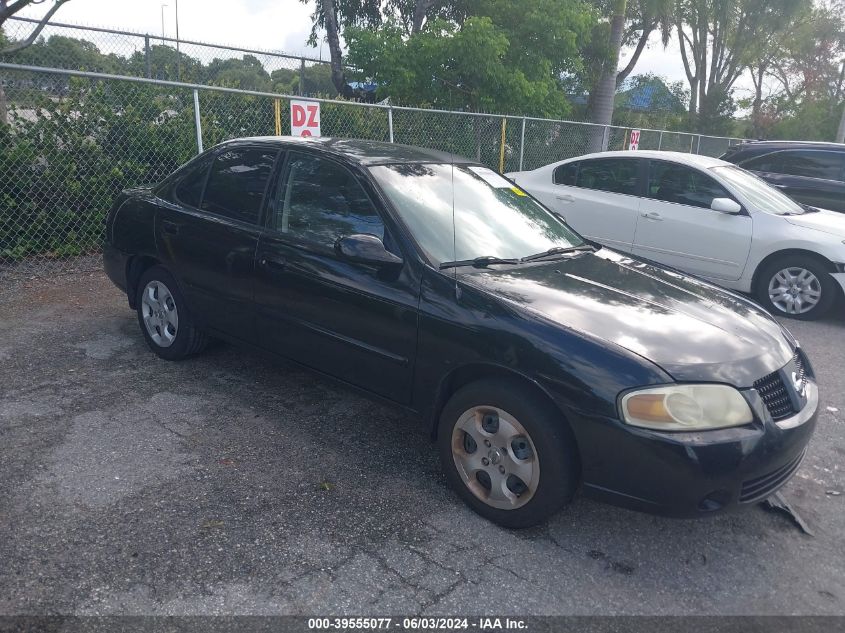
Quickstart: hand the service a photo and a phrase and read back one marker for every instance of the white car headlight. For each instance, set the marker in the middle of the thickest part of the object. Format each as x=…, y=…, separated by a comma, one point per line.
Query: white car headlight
x=686, y=408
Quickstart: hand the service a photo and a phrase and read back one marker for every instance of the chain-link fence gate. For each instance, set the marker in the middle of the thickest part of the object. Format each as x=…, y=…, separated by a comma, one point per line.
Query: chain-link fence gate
x=72, y=140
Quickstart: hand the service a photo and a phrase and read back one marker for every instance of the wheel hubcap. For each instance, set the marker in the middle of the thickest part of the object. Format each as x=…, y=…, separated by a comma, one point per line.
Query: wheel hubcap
x=158, y=310
x=795, y=290
x=495, y=457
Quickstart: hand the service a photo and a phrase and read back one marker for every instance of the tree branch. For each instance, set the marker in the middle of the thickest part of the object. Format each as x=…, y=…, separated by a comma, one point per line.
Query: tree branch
x=641, y=43
x=37, y=30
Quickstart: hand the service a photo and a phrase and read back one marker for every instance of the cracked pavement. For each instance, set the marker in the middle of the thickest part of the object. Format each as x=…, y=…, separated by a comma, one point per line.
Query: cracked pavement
x=232, y=484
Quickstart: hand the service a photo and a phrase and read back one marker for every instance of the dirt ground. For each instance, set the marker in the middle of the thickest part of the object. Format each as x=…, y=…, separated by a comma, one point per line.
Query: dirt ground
x=231, y=484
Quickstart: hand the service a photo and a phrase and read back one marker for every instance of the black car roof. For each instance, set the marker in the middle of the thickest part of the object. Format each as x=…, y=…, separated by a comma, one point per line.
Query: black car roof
x=361, y=151
x=775, y=145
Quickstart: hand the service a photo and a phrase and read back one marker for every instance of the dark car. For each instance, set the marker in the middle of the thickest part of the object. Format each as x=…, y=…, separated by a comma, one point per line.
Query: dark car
x=539, y=362
x=810, y=173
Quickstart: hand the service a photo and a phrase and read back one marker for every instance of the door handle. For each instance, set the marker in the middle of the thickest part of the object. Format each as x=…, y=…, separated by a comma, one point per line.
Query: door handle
x=565, y=198
x=270, y=262
x=169, y=228
x=651, y=215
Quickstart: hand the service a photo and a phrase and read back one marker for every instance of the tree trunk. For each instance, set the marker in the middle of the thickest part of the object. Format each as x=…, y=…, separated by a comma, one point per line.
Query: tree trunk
x=421, y=7
x=338, y=75
x=602, y=96
x=757, y=105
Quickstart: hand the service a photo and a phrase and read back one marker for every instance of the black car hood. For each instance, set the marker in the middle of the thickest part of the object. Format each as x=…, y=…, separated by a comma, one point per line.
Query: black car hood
x=691, y=329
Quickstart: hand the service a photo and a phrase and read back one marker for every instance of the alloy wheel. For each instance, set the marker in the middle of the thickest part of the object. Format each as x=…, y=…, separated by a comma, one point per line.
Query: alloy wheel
x=158, y=309
x=795, y=290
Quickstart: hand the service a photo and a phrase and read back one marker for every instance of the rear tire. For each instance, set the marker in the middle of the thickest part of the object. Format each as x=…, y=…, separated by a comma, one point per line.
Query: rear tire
x=164, y=319
x=796, y=286
x=508, y=454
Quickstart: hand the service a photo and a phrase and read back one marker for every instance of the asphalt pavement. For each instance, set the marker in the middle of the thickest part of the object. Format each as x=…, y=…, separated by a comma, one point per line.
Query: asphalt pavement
x=230, y=484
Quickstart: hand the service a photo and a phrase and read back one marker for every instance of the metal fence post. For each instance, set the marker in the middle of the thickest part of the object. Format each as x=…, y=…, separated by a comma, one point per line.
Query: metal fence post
x=502, y=145
x=522, y=144
x=698, y=145
x=660, y=141
x=197, y=121
x=147, y=56
x=301, y=76
x=390, y=122
x=605, y=138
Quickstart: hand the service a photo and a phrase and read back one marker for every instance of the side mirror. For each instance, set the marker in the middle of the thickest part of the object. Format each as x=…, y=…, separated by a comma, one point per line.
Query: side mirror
x=365, y=249
x=726, y=205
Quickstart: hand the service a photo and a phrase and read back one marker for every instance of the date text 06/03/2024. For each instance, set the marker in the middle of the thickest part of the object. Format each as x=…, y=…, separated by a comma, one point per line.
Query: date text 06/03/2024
x=416, y=623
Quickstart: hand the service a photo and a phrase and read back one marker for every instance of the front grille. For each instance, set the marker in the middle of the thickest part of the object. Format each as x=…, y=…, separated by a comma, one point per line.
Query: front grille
x=775, y=396
x=761, y=487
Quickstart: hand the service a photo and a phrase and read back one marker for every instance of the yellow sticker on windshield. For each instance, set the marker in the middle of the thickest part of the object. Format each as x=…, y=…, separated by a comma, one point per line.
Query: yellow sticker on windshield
x=518, y=191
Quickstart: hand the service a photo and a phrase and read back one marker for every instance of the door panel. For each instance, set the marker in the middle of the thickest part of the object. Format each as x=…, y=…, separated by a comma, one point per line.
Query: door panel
x=208, y=233
x=680, y=230
x=354, y=321
x=604, y=204
x=213, y=259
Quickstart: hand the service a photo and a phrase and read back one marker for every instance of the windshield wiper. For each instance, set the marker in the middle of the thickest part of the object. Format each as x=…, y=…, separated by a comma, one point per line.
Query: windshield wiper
x=478, y=262
x=557, y=250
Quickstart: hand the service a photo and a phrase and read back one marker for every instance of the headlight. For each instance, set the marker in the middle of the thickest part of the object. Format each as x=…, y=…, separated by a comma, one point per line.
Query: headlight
x=686, y=408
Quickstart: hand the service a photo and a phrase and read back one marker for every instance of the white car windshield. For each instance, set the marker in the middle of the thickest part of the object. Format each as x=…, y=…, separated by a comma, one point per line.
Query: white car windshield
x=758, y=191
x=493, y=218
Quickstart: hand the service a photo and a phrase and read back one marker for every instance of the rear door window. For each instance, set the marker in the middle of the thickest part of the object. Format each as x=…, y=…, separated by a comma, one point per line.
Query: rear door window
x=615, y=175
x=188, y=190
x=807, y=163
x=237, y=183
x=566, y=174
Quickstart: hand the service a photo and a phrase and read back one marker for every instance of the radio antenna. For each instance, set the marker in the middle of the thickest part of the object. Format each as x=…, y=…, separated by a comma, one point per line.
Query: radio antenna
x=454, y=223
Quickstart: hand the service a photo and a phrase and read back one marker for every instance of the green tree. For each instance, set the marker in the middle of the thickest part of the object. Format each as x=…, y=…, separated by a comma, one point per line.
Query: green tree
x=246, y=73
x=499, y=57
x=718, y=39
x=164, y=61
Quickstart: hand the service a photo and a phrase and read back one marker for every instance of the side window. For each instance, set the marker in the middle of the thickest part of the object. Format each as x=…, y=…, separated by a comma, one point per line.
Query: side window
x=766, y=162
x=813, y=164
x=237, y=182
x=617, y=175
x=189, y=190
x=671, y=182
x=565, y=174
x=322, y=201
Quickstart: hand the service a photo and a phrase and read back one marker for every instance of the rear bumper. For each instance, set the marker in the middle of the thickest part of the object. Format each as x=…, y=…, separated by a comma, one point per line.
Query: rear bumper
x=114, y=263
x=694, y=474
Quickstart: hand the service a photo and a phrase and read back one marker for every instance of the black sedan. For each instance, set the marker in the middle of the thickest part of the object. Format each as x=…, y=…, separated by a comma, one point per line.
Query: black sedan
x=540, y=362
x=811, y=173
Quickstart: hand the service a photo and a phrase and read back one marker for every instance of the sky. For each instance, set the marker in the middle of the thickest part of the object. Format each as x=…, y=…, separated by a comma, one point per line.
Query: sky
x=275, y=25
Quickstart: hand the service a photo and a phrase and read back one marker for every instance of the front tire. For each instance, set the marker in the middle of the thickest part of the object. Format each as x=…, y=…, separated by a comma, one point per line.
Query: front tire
x=165, y=323
x=508, y=454
x=797, y=287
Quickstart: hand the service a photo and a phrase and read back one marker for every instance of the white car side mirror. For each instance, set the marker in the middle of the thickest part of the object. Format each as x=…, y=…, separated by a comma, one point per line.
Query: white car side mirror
x=726, y=205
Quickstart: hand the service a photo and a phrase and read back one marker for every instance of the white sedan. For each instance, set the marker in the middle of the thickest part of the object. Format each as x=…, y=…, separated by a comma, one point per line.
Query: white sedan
x=704, y=216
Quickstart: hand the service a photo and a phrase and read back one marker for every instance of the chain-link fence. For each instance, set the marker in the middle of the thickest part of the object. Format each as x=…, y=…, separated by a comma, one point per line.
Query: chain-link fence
x=73, y=140
x=128, y=53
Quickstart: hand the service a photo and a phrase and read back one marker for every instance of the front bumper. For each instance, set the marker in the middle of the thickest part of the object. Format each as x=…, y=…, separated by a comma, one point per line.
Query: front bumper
x=840, y=278
x=697, y=473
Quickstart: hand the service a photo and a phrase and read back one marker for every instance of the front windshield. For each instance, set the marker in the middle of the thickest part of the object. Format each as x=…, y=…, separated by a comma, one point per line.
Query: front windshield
x=762, y=194
x=493, y=218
